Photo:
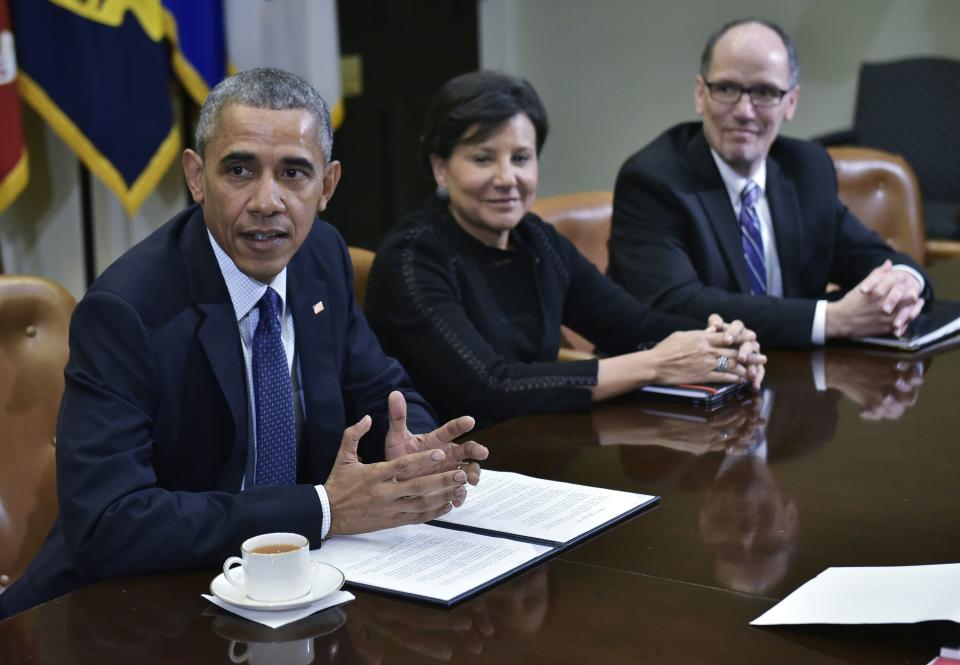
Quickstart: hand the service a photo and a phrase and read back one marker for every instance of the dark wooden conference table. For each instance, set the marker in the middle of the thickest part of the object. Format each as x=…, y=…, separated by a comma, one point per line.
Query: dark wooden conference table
x=758, y=498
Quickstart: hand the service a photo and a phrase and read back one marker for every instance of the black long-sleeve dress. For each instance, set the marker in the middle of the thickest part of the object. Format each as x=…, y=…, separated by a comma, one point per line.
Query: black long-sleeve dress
x=478, y=328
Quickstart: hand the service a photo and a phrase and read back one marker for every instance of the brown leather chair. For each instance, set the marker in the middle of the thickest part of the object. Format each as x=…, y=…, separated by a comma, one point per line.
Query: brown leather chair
x=34, y=318
x=881, y=189
x=362, y=259
x=584, y=218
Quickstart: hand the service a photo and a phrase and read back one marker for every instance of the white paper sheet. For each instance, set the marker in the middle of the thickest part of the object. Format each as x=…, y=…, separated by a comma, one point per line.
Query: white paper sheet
x=424, y=560
x=879, y=595
x=543, y=509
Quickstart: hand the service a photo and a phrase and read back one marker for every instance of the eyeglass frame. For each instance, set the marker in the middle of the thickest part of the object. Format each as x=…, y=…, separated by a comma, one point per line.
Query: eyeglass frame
x=749, y=92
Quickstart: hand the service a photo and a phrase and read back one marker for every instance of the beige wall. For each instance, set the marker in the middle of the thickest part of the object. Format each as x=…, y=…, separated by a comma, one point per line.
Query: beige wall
x=613, y=73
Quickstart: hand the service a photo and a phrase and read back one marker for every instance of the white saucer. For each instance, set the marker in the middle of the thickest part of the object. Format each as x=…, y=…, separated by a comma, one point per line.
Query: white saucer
x=324, y=580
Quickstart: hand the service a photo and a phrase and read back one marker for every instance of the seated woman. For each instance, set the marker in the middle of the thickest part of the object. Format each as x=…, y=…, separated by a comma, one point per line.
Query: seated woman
x=470, y=291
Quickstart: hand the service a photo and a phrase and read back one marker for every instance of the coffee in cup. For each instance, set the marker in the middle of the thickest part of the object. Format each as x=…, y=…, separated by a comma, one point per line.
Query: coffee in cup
x=276, y=567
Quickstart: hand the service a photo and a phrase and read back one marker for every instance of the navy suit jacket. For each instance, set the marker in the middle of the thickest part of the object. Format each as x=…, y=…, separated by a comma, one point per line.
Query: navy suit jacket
x=152, y=438
x=675, y=241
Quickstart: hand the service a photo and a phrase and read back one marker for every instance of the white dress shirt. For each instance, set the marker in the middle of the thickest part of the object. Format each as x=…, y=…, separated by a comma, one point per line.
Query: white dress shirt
x=245, y=293
x=734, y=182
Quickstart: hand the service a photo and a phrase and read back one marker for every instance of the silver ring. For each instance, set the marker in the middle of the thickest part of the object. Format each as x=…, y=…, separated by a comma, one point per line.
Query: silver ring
x=722, y=363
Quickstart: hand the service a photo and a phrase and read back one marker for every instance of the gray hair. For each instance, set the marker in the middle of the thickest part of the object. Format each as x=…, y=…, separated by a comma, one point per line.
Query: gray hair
x=264, y=88
x=707, y=57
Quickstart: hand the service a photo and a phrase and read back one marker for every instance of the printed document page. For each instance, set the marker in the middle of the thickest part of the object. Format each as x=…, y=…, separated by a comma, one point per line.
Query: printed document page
x=548, y=510
x=424, y=560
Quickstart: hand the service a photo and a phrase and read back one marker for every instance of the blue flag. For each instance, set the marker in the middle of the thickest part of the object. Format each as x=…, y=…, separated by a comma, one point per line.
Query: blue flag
x=99, y=74
x=195, y=29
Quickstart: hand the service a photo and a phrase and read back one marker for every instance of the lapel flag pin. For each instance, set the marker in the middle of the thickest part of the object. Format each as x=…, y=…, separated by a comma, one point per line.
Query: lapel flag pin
x=318, y=307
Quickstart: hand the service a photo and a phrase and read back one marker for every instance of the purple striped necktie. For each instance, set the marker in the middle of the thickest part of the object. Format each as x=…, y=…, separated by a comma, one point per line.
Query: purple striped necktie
x=751, y=239
x=276, y=462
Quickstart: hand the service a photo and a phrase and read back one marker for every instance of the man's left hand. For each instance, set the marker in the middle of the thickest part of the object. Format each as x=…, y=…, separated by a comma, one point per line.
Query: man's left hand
x=400, y=441
x=898, y=293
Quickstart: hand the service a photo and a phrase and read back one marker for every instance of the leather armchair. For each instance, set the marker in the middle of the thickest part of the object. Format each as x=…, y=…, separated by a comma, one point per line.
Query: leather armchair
x=34, y=318
x=881, y=190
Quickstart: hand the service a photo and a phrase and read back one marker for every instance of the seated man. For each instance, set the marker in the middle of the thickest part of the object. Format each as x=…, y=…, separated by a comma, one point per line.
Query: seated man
x=723, y=216
x=214, y=368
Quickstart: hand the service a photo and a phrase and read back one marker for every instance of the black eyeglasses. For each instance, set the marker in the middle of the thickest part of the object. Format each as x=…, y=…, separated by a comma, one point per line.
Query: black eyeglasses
x=762, y=96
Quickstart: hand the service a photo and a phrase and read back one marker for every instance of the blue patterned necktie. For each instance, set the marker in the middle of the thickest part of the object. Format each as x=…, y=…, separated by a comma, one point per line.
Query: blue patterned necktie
x=276, y=429
x=751, y=238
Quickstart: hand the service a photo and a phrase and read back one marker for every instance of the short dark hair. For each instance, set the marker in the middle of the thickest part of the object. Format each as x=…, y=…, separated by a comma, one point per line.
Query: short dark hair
x=707, y=57
x=264, y=88
x=486, y=99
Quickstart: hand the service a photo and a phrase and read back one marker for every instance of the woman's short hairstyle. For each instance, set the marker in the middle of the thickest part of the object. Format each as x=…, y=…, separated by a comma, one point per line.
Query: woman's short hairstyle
x=485, y=99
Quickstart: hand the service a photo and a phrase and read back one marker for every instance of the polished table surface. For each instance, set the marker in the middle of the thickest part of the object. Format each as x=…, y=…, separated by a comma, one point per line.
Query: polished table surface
x=850, y=457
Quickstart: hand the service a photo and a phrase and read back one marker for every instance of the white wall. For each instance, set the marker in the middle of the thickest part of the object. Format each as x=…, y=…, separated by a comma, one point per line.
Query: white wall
x=615, y=73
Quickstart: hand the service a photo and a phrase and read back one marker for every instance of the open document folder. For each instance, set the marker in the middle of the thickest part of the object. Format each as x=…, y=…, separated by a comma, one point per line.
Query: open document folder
x=509, y=523
x=891, y=594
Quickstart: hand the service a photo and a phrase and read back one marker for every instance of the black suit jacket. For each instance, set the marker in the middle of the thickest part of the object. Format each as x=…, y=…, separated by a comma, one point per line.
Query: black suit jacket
x=152, y=438
x=675, y=241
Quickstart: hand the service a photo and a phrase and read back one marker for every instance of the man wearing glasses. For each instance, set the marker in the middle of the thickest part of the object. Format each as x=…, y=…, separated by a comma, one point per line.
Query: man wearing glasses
x=725, y=216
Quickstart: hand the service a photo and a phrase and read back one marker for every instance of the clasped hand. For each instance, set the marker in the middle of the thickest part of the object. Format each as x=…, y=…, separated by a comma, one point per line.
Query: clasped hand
x=694, y=355
x=423, y=477
x=884, y=303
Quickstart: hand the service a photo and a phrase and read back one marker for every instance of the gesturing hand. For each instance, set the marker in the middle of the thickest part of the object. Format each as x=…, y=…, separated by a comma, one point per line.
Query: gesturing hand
x=409, y=489
x=400, y=441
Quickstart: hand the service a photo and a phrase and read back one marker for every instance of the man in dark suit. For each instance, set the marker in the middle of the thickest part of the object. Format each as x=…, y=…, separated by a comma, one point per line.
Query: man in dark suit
x=215, y=367
x=725, y=216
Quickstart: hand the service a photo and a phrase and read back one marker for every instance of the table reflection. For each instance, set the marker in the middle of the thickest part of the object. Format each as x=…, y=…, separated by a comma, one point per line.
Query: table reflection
x=884, y=386
x=311, y=639
x=519, y=608
x=750, y=526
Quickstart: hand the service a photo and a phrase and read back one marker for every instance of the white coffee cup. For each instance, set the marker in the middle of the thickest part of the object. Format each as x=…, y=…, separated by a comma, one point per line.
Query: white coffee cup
x=276, y=567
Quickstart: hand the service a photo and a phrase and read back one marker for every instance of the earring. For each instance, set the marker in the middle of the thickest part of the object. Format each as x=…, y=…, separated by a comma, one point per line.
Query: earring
x=442, y=193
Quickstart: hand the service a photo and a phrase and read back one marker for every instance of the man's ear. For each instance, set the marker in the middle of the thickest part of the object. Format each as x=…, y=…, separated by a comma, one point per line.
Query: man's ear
x=331, y=176
x=791, y=101
x=439, y=165
x=699, y=90
x=193, y=170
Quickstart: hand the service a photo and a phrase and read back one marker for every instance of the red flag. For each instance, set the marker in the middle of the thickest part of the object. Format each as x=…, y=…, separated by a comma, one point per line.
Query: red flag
x=13, y=153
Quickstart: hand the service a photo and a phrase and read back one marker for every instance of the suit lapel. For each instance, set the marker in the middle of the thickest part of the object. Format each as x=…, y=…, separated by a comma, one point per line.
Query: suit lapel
x=716, y=203
x=785, y=212
x=311, y=309
x=219, y=336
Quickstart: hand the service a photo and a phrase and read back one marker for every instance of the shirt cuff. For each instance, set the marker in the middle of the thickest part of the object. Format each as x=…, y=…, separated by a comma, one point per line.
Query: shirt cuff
x=819, y=333
x=325, y=502
x=914, y=272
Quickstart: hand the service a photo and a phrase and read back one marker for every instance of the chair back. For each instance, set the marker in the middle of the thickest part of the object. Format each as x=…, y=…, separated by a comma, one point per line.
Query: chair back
x=909, y=107
x=882, y=191
x=362, y=259
x=584, y=219
x=34, y=319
